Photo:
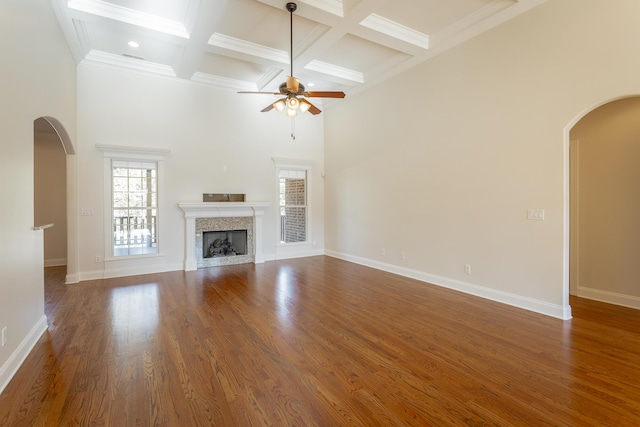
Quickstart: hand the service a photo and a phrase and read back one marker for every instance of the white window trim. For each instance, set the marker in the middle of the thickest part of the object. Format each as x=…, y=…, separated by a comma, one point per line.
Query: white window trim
x=301, y=165
x=126, y=153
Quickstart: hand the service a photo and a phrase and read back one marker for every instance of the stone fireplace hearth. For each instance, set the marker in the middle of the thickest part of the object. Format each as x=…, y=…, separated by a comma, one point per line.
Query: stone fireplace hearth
x=222, y=216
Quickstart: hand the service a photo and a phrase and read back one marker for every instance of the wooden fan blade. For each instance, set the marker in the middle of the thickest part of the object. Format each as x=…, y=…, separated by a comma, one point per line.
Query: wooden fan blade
x=267, y=108
x=261, y=93
x=312, y=108
x=326, y=94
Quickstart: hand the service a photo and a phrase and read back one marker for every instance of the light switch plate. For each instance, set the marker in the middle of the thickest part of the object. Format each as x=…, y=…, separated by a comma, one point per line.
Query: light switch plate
x=535, y=214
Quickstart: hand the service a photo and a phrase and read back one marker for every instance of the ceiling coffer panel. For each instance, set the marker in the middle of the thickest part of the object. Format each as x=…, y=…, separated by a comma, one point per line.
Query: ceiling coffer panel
x=232, y=68
x=356, y=53
x=430, y=16
x=152, y=49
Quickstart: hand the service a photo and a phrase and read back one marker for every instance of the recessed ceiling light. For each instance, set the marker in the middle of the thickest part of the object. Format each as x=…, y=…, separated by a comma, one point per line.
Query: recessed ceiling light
x=311, y=84
x=133, y=44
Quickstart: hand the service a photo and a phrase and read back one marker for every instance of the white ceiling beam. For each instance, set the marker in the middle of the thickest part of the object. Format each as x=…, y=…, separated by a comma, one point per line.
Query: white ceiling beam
x=248, y=48
x=130, y=16
x=393, y=29
x=336, y=71
x=204, y=16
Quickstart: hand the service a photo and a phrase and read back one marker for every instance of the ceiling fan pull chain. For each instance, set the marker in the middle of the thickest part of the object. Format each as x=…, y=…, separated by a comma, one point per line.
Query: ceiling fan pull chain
x=293, y=128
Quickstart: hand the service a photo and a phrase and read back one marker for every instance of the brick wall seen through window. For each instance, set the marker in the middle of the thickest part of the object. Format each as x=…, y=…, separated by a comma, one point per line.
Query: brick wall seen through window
x=293, y=206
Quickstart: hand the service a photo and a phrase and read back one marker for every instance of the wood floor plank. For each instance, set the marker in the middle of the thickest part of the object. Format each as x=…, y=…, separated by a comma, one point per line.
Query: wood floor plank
x=317, y=342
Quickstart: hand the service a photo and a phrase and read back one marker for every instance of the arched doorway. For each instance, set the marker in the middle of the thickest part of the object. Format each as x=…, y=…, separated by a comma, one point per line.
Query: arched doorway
x=54, y=195
x=603, y=204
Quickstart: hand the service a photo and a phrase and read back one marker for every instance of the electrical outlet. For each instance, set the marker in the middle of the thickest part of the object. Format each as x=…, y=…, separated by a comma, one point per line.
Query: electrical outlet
x=402, y=255
x=467, y=268
x=98, y=258
x=4, y=336
x=383, y=252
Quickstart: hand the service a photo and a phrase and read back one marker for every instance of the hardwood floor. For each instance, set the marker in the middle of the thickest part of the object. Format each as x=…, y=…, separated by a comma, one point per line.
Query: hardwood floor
x=317, y=342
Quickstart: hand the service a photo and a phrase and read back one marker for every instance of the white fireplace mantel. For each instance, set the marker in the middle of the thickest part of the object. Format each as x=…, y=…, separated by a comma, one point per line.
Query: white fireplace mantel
x=193, y=210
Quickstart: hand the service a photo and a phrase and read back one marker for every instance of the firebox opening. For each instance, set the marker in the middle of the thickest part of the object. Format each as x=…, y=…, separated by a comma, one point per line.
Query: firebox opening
x=224, y=243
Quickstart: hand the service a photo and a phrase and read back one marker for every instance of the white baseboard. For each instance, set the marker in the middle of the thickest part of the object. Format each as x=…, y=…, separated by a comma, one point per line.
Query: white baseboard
x=127, y=271
x=138, y=270
x=9, y=369
x=163, y=268
x=90, y=275
x=71, y=278
x=55, y=262
x=542, y=307
x=290, y=254
x=609, y=297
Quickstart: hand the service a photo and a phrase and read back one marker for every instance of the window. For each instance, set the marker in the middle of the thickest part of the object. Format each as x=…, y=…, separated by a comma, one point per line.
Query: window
x=133, y=183
x=134, y=207
x=293, y=205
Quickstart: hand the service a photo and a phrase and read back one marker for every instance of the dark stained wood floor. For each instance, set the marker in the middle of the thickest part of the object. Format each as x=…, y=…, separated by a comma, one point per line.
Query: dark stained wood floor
x=318, y=342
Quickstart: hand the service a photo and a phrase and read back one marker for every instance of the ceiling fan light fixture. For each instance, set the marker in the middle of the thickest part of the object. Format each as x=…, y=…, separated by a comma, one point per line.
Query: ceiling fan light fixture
x=304, y=106
x=292, y=113
x=279, y=105
x=293, y=103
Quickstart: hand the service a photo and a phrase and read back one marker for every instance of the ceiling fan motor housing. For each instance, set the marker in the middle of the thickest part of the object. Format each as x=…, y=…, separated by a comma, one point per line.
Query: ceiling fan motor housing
x=285, y=90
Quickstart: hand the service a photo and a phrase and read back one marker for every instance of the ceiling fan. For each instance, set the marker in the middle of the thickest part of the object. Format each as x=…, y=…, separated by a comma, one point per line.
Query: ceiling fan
x=294, y=92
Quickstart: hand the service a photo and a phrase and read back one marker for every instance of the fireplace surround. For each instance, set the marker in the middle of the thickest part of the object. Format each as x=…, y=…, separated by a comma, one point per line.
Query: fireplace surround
x=221, y=216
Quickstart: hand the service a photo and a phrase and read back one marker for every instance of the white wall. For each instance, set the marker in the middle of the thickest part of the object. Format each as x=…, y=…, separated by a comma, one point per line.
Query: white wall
x=608, y=229
x=443, y=161
x=219, y=142
x=38, y=79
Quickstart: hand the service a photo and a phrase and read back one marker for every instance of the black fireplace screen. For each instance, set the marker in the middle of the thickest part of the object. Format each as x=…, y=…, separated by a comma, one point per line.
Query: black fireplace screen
x=224, y=243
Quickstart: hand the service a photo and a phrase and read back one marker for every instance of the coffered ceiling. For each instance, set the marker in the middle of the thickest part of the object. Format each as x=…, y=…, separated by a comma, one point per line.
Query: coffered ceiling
x=344, y=45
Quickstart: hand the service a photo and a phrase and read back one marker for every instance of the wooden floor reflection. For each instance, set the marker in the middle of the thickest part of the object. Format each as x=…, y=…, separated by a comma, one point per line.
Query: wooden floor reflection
x=317, y=342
